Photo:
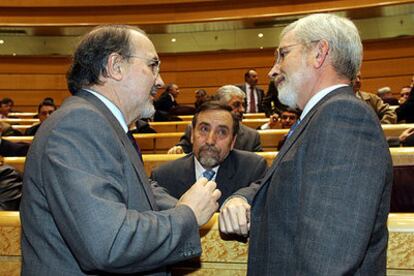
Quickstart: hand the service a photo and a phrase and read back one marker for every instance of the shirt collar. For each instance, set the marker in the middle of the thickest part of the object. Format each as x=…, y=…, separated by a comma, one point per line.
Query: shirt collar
x=199, y=169
x=112, y=107
x=317, y=97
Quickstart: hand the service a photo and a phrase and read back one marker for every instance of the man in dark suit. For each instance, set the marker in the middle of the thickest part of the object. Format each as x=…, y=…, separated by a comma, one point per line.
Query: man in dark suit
x=322, y=207
x=44, y=110
x=88, y=207
x=254, y=94
x=247, y=138
x=213, y=137
x=9, y=148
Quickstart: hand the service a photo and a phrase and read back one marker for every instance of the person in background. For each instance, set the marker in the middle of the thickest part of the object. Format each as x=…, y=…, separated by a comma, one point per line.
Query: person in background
x=271, y=103
x=385, y=114
x=44, y=110
x=404, y=94
x=88, y=206
x=286, y=119
x=6, y=106
x=10, y=188
x=254, y=94
x=247, y=138
x=385, y=94
x=201, y=97
x=322, y=207
x=405, y=111
x=213, y=136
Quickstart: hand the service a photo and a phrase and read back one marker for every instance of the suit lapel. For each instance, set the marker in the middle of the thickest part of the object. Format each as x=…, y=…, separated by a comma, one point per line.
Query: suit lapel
x=187, y=176
x=132, y=154
x=225, y=173
x=290, y=142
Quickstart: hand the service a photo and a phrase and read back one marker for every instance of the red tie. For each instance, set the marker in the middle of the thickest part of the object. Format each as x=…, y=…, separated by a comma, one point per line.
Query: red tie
x=252, y=101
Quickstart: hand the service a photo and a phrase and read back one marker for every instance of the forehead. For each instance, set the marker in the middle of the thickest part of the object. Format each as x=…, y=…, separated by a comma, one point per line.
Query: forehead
x=287, y=39
x=405, y=89
x=141, y=44
x=252, y=73
x=215, y=118
x=235, y=99
x=288, y=113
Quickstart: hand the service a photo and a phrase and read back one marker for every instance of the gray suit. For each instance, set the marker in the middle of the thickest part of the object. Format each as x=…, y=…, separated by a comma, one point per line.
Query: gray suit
x=323, y=206
x=248, y=139
x=88, y=206
x=238, y=170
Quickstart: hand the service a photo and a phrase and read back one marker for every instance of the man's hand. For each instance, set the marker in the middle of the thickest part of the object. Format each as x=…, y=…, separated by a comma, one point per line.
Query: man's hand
x=274, y=121
x=406, y=133
x=175, y=150
x=235, y=216
x=202, y=199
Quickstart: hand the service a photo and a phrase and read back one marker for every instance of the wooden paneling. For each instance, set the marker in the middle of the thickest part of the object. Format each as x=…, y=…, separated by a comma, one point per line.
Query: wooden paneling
x=74, y=13
x=30, y=79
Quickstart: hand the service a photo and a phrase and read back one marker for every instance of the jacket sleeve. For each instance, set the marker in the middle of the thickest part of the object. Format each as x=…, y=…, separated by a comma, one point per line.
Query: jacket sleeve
x=84, y=171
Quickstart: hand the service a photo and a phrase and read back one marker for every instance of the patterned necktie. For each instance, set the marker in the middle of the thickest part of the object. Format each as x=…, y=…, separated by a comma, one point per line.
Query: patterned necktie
x=252, y=100
x=209, y=174
x=293, y=127
x=135, y=144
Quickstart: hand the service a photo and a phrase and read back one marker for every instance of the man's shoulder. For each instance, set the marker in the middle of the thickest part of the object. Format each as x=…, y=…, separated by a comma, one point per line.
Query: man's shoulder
x=246, y=155
x=175, y=165
x=247, y=130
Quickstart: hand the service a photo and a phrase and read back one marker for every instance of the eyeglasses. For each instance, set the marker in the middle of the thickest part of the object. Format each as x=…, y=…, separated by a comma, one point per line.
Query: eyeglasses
x=283, y=51
x=154, y=64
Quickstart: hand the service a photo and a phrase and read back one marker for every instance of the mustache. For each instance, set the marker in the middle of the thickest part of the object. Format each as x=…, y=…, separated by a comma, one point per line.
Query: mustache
x=209, y=148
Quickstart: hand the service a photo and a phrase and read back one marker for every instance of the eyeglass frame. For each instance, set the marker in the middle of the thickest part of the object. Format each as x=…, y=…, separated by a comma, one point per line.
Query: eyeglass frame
x=279, y=50
x=154, y=63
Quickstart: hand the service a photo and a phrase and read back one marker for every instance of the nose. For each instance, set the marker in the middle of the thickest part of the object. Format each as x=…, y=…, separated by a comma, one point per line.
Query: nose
x=211, y=138
x=274, y=71
x=159, y=82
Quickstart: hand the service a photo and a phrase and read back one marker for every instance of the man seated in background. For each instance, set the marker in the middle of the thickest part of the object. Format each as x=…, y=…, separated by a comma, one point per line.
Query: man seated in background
x=201, y=97
x=45, y=108
x=404, y=94
x=247, y=138
x=385, y=114
x=213, y=138
x=271, y=103
x=286, y=119
x=6, y=106
x=386, y=96
x=405, y=112
x=10, y=188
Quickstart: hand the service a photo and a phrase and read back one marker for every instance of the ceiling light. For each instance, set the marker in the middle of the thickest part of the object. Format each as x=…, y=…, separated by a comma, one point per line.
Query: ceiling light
x=260, y=35
x=261, y=47
x=14, y=54
x=173, y=39
x=1, y=41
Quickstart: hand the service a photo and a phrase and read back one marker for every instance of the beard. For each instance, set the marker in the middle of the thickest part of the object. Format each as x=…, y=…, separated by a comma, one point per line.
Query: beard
x=209, y=156
x=289, y=87
x=147, y=109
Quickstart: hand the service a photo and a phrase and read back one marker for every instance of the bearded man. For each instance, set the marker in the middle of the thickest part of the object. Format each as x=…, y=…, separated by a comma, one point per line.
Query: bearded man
x=213, y=138
x=322, y=207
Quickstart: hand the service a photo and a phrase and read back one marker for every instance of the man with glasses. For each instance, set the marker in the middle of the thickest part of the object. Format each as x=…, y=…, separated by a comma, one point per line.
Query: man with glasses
x=88, y=207
x=322, y=207
x=247, y=138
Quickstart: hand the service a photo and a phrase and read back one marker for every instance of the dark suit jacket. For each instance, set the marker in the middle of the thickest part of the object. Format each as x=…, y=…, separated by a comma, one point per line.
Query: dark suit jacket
x=164, y=102
x=10, y=188
x=8, y=148
x=260, y=96
x=238, y=170
x=406, y=111
x=248, y=139
x=88, y=206
x=31, y=131
x=323, y=206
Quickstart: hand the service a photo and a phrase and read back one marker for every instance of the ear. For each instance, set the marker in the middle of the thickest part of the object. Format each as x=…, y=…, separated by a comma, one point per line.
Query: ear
x=114, y=66
x=321, y=53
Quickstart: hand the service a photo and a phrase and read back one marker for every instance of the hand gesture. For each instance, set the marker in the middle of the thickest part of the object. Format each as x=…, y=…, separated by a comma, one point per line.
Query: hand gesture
x=235, y=216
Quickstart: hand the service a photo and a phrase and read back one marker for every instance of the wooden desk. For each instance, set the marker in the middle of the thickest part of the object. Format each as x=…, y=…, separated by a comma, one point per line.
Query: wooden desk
x=222, y=257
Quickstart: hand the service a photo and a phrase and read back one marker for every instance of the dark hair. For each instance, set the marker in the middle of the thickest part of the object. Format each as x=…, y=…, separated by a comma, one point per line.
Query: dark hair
x=91, y=55
x=215, y=105
x=168, y=87
x=7, y=101
x=45, y=102
x=292, y=110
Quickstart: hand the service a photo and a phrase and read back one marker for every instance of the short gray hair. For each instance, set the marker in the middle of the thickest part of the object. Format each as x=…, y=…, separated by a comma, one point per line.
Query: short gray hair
x=226, y=92
x=345, y=47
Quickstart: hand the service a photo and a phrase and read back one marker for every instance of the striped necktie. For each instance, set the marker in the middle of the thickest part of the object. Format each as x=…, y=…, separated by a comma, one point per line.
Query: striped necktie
x=209, y=174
